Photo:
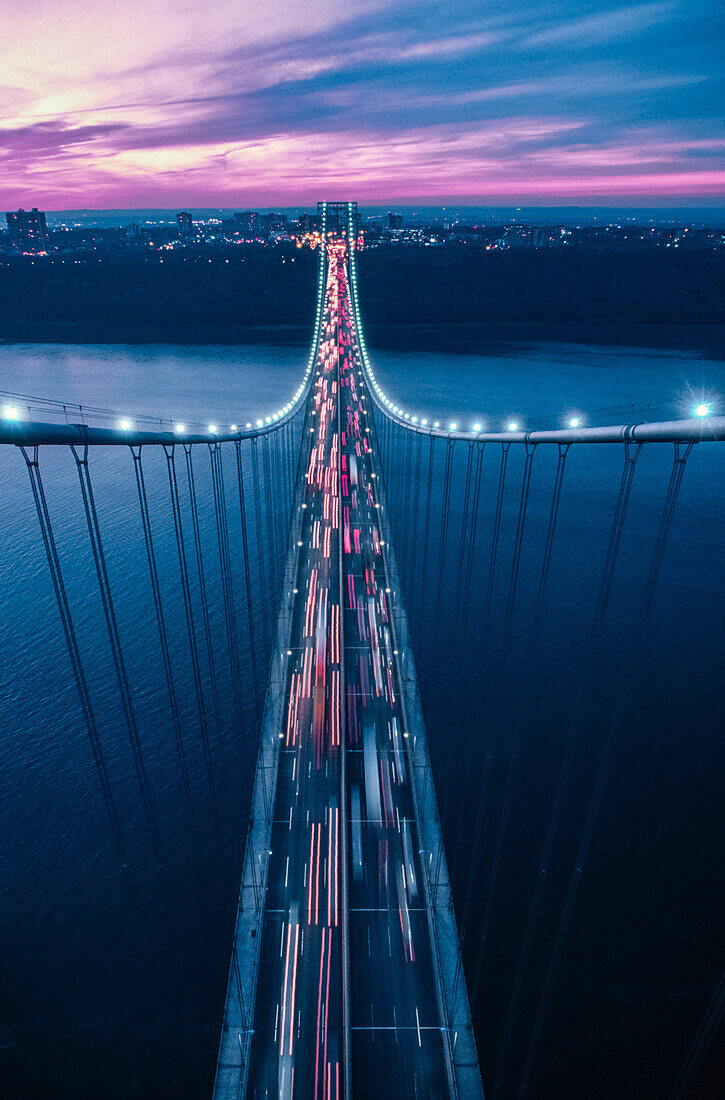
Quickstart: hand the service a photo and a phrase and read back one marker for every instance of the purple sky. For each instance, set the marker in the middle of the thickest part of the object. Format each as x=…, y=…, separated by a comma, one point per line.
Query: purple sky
x=275, y=102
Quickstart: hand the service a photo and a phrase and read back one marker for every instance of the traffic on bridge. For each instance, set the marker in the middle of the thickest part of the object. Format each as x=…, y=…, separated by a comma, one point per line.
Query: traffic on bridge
x=347, y=995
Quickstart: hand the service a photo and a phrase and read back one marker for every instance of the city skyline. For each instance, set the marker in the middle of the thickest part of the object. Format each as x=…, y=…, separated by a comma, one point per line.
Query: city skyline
x=156, y=105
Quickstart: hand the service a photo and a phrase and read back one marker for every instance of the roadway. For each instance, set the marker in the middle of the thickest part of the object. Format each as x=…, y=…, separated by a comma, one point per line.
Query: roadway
x=343, y=800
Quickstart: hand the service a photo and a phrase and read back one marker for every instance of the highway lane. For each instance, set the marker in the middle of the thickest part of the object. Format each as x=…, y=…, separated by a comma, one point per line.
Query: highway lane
x=344, y=795
x=397, y=1049
x=298, y=1042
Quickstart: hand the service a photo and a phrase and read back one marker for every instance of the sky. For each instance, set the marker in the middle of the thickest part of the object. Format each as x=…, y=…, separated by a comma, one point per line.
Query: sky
x=163, y=103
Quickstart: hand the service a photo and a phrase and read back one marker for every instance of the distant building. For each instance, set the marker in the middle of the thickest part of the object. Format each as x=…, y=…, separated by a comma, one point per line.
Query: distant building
x=28, y=230
x=395, y=221
x=185, y=224
x=247, y=222
x=308, y=223
x=274, y=223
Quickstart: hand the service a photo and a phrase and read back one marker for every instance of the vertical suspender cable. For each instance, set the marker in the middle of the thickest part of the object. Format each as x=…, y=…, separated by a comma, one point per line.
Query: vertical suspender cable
x=519, y=537
x=202, y=587
x=503, y=823
x=261, y=571
x=247, y=580
x=494, y=551
x=550, y=532
x=74, y=653
x=620, y=511
x=493, y=554
x=163, y=636
x=220, y=510
x=481, y=447
x=271, y=497
x=191, y=634
x=80, y=455
x=706, y=1032
x=443, y=544
x=416, y=517
x=461, y=631
x=462, y=546
x=626, y=681
x=426, y=535
x=408, y=489
x=510, y=603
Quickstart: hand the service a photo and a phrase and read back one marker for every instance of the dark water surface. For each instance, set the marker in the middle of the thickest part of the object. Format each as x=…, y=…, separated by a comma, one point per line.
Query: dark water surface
x=122, y=995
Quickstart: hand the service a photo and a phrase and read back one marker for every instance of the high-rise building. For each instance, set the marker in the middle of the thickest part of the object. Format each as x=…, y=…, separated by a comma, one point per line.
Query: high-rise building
x=395, y=221
x=185, y=224
x=274, y=223
x=28, y=230
x=247, y=221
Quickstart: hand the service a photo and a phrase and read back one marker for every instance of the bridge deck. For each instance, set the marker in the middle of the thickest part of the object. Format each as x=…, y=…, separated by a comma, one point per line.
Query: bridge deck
x=344, y=861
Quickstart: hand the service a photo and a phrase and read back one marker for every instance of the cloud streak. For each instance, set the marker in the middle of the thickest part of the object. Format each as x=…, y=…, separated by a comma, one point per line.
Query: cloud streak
x=386, y=100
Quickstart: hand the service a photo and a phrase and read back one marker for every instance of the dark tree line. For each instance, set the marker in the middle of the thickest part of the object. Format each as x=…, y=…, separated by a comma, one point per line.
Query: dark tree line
x=233, y=295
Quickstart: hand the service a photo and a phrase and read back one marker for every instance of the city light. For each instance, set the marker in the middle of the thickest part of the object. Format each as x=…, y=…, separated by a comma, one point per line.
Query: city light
x=212, y=429
x=179, y=428
x=436, y=423
x=574, y=422
x=233, y=428
x=702, y=410
x=10, y=412
x=513, y=426
x=476, y=427
x=453, y=425
x=125, y=425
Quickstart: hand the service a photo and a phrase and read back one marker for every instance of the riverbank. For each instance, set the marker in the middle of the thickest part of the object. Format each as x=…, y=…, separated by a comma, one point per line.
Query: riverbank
x=466, y=339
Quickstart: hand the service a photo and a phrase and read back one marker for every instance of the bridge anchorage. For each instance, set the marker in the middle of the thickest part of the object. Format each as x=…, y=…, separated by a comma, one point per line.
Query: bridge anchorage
x=346, y=975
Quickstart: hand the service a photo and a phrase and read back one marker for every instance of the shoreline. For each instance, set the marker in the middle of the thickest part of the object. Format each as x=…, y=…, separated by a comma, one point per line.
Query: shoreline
x=454, y=338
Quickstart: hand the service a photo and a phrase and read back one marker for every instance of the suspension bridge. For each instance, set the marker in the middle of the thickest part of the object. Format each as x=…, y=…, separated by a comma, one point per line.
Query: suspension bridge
x=351, y=586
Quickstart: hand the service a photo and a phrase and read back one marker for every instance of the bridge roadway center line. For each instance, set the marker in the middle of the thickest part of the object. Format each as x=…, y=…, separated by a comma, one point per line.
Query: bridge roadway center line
x=298, y=1043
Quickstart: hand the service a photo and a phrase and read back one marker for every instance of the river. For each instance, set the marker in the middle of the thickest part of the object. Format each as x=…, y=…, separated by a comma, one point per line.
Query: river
x=128, y=1004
